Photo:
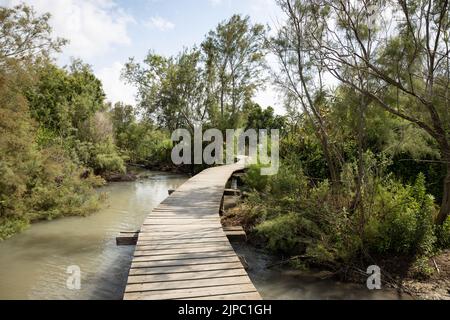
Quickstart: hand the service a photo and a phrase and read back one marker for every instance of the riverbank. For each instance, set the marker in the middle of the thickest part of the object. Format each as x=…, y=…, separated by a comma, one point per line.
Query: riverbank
x=284, y=282
x=34, y=263
x=437, y=286
x=398, y=277
x=138, y=171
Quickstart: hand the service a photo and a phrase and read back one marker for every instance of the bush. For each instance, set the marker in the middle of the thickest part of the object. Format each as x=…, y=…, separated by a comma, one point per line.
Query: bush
x=296, y=217
x=402, y=219
x=10, y=226
x=253, y=178
x=443, y=234
x=300, y=216
x=282, y=232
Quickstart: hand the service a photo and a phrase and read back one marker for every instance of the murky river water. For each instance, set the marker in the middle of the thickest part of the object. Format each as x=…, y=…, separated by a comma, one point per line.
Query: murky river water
x=288, y=284
x=33, y=264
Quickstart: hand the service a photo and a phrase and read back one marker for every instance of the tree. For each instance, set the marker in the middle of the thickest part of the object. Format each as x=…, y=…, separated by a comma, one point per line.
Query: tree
x=257, y=118
x=62, y=100
x=171, y=90
x=301, y=74
x=411, y=63
x=25, y=36
x=234, y=60
x=39, y=180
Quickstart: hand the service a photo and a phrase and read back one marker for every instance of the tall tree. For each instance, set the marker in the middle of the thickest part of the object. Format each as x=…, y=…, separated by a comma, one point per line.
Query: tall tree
x=24, y=35
x=234, y=59
x=171, y=90
x=411, y=64
x=301, y=74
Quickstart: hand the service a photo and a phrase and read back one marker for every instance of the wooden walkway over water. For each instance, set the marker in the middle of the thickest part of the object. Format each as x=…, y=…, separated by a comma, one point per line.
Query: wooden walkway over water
x=182, y=251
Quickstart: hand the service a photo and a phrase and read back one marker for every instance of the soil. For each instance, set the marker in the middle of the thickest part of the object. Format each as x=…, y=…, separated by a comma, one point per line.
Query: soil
x=437, y=286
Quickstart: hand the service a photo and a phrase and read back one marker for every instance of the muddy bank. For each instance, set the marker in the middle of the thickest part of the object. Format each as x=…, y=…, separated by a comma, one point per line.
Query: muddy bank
x=141, y=171
x=437, y=286
x=282, y=282
x=349, y=282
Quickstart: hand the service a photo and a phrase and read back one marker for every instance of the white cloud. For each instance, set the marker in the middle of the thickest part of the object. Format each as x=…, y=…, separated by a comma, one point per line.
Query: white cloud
x=159, y=23
x=116, y=90
x=93, y=27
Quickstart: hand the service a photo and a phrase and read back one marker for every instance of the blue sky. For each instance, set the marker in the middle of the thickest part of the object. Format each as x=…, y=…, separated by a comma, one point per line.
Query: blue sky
x=105, y=33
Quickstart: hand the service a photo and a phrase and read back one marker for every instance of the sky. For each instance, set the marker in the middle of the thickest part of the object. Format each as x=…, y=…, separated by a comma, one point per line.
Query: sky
x=105, y=33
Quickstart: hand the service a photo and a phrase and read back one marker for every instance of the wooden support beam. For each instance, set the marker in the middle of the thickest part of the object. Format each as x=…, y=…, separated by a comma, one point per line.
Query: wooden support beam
x=127, y=238
x=232, y=192
x=130, y=238
x=235, y=233
x=238, y=174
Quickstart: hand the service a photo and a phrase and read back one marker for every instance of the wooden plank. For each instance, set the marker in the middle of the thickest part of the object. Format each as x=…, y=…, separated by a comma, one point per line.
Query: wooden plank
x=185, y=284
x=153, y=241
x=177, y=251
x=233, y=228
x=190, y=268
x=182, y=228
x=209, y=245
x=179, y=237
x=232, y=296
x=182, y=262
x=186, y=276
x=232, y=192
x=201, y=255
x=127, y=238
x=190, y=292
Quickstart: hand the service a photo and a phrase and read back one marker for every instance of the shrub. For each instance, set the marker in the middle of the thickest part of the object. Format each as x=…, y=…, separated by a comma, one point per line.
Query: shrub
x=253, y=178
x=300, y=216
x=402, y=219
x=443, y=234
x=282, y=232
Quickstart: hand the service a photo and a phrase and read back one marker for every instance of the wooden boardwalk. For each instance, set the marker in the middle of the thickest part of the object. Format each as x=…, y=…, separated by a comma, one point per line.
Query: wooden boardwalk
x=182, y=251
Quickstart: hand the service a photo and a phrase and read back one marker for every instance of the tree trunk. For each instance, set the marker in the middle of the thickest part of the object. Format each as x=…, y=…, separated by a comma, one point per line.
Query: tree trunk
x=222, y=96
x=331, y=165
x=445, y=205
x=360, y=178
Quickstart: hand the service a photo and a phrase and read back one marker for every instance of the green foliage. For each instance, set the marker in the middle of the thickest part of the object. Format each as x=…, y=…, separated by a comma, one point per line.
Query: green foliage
x=62, y=100
x=282, y=232
x=234, y=60
x=402, y=219
x=443, y=234
x=139, y=141
x=171, y=90
x=68, y=105
x=300, y=216
x=45, y=114
x=102, y=157
x=25, y=36
x=254, y=180
x=39, y=180
x=257, y=118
